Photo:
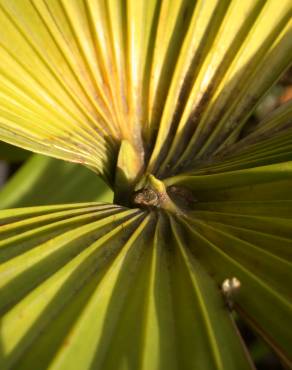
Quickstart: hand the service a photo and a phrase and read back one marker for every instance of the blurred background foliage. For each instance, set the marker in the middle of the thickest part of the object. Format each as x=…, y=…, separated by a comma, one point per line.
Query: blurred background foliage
x=31, y=179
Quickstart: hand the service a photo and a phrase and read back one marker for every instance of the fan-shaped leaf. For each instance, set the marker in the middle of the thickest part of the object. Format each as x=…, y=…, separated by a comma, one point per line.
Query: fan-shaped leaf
x=78, y=282
x=154, y=96
x=176, y=79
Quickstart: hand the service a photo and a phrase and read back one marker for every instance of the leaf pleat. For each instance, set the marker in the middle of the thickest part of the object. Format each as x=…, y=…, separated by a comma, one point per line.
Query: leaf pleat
x=100, y=288
x=257, y=250
x=178, y=80
x=171, y=86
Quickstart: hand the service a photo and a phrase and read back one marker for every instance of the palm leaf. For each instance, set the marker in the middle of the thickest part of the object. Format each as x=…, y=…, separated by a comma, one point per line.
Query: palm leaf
x=154, y=96
x=56, y=61
x=109, y=265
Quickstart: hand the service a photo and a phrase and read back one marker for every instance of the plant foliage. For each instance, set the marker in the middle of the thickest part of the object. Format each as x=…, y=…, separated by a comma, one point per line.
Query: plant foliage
x=156, y=98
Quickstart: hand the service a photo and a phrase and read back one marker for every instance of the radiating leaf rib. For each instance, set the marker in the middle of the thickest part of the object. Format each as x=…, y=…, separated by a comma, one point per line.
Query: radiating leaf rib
x=77, y=272
x=79, y=354
x=39, y=220
x=101, y=286
x=277, y=60
x=49, y=31
x=36, y=19
x=171, y=28
x=100, y=23
x=216, y=61
x=14, y=227
x=273, y=149
x=257, y=192
x=242, y=72
x=216, y=330
x=271, y=225
x=235, y=179
x=113, y=268
x=87, y=251
x=129, y=351
x=53, y=253
x=30, y=95
x=12, y=215
x=116, y=20
x=79, y=24
x=274, y=146
x=159, y=346
x=271, y=126
x=86, y=87
x=204, y=22
x=135, y=46
x=193, y=111
x=23, y=241
x=273, y=208
x=279, y=246
x=254, y=160
x=251, y=256
x=223, y=264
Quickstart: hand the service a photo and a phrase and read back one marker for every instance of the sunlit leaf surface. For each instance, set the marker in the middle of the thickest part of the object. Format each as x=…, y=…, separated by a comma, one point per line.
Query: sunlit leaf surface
x=177, y=79
x=78, y=281
x=155, y=96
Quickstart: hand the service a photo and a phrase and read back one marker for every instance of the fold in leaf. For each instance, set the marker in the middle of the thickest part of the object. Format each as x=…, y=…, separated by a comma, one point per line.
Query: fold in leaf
x=78, y=282
x=241, y=225
x=220, y=77
x=155, y=96
x=257, y=250
x=177, y=80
